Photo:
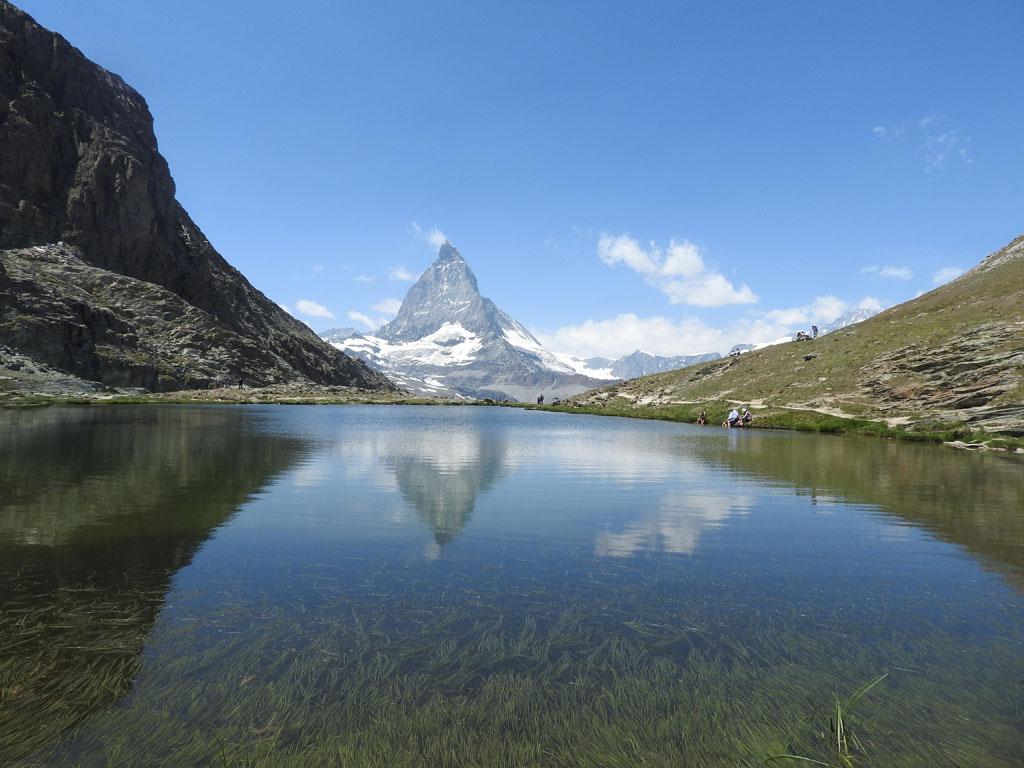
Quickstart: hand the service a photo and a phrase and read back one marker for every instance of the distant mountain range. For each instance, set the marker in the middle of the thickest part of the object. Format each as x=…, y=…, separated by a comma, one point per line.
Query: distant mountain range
x=643, y=364
x=850, y=318
x=449, y=340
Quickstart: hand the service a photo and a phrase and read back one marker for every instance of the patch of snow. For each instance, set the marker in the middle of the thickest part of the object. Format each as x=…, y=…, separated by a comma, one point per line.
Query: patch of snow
x=580, y=366
x=449, y=345
x=555, y=361
x=764, y=344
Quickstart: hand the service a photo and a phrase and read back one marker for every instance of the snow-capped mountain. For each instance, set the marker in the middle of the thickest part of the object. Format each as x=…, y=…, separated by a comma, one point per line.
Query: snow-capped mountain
x=644, y=364
x=447, y=339
x=850, y=318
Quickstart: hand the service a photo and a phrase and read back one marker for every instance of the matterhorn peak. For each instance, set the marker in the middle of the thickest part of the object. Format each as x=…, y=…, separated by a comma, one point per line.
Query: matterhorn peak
x=447, y=338
x=449, y=252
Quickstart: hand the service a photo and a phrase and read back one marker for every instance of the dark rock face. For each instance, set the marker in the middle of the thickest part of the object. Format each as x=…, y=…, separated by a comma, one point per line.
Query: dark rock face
x=446, y=289
x=79, y=165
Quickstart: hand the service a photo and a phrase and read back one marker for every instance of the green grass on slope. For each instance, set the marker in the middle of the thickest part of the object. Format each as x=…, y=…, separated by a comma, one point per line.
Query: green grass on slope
x=799, y=421
x=846, y=364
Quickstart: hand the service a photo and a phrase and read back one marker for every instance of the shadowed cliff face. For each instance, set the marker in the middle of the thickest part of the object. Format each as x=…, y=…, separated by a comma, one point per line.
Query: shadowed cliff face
x=79, y=164
x=88, y=554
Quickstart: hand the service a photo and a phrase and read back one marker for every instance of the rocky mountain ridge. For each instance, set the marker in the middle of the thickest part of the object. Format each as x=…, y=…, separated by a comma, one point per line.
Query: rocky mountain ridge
x=448, y=339
x=85, y=195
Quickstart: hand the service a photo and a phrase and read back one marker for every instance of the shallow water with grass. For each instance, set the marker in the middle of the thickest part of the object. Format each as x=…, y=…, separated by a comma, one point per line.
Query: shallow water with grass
x=410, y=586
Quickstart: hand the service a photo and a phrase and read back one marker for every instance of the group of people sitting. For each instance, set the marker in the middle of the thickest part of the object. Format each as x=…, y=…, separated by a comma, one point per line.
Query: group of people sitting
x=804, y=336
x=734, y=419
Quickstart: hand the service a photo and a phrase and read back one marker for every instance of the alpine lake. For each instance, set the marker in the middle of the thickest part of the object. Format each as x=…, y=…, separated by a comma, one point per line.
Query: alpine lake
x=473, y=586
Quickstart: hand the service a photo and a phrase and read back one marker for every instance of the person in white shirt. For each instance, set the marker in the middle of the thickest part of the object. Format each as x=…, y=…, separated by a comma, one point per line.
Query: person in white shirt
x=734, y=418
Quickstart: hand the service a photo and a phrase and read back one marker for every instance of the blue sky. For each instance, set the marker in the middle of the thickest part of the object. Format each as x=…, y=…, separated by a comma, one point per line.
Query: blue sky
x=672, y=176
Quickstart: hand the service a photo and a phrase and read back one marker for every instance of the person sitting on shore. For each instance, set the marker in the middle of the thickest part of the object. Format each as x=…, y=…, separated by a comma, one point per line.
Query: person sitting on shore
x=703, y=418
x=733, y=420
x=747, y=417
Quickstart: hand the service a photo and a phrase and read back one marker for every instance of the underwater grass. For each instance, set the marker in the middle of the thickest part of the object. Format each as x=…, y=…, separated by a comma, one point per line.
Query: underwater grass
x=386, y=675
x=840, y=734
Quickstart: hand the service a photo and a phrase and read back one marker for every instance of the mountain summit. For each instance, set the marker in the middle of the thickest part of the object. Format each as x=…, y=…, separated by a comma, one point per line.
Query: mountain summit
x=448, y=339
x=448, y=292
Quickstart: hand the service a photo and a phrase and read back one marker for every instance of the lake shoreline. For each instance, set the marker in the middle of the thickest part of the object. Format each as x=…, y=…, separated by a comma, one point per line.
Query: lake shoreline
x=774, y=418
x=791, y=420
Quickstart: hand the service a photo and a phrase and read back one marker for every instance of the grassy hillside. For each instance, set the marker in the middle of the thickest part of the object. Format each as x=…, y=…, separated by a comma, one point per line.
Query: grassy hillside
x=950, y=362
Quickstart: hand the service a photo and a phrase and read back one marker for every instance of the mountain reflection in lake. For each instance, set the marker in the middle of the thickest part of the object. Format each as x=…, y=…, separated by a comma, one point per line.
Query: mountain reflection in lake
x=480, y=586
x=441, y=475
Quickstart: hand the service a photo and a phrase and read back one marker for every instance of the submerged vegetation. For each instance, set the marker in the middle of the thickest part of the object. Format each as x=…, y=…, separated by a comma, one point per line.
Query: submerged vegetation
x=234, y=605
x=840, y=734
x=353, y=683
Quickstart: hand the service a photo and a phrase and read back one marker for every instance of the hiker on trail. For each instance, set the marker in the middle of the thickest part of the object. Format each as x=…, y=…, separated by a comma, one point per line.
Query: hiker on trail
x=814, y=331
x=733, y=420
x=703, y=418
x=747, y=417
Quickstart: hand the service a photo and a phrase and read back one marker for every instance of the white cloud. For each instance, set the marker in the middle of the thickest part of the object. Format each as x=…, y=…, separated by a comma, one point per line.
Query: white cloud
x=791, y=316
x=679, y=272
x=823, y=309
x=946, y=274
x=888, y=272
x=891, y=132
x=388, y=306
x=312, y=309
x=940, y=148
x=708, y=290
x=401, y=273
x=677, y=526
x=896, y=273
x=364, y=279
x=929, y=136
x=626, y=333
x=623, y=334
x=434, y=236
x=318, y=268
x=366, y=320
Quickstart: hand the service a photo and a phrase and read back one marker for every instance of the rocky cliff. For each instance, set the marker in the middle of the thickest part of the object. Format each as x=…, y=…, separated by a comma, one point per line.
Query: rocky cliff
x=91, y=235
